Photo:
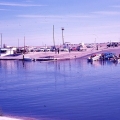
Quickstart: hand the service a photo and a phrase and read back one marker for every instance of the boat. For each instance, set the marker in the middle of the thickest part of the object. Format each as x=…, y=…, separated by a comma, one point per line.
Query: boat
x=47, y=58
x=118, y=60
x=28, y=59
x=108, y=55
x=94, y=57
x=7, y=51
x=115, y=59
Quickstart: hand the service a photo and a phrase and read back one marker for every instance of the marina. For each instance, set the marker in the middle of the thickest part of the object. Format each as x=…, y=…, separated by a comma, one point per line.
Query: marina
x=59, y=60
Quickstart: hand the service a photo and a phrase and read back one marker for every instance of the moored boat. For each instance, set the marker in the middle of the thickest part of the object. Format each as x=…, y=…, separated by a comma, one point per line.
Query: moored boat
x=94, y=57
x=47, y=58
x=7, y=51
x=107, y=56
x=115, y=59
x=28, y=59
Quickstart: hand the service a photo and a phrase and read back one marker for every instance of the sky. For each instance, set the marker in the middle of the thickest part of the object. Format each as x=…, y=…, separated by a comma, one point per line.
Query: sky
x=84, y=21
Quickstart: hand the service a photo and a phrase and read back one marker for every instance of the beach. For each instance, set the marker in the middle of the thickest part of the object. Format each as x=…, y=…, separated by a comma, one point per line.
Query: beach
x=14, y=118
x=8, y=118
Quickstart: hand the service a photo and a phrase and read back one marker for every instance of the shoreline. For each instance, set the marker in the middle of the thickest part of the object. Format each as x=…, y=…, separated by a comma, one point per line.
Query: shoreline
x=42, y=56
x=9, y=118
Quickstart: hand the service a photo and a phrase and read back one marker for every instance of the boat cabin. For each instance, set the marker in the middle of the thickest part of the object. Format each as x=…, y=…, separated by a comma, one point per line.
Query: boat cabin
x=7, y=51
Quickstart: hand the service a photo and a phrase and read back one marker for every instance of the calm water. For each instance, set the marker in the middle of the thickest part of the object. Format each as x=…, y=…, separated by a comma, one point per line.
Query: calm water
x=63, y=90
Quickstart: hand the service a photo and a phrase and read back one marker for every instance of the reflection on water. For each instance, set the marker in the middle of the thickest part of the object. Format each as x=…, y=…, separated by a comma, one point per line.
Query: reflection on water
x=60, y=90
x=105, y=62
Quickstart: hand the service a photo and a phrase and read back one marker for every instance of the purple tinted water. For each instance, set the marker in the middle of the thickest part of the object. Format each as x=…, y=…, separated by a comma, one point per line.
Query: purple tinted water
x=62, y=90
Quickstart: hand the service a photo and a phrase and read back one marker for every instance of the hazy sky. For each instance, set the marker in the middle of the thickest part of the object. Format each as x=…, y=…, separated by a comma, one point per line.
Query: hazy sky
x=83, y=21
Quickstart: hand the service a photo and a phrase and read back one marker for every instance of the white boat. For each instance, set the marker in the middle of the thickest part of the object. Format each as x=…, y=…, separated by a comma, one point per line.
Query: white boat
x=7, y=51
x=94, y=57
x=118, y=60
x=115, y=60
x=28, y=59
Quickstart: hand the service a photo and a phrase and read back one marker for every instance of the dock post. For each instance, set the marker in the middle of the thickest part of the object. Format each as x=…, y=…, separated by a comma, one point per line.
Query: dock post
x=23, y=56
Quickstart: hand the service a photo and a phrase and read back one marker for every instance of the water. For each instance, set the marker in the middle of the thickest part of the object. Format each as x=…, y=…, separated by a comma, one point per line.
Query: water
x=62, y=90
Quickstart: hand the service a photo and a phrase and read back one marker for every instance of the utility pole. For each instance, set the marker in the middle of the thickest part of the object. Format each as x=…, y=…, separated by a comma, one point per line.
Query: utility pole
x=24, y=44
x=18, y=43
x=1, y=40
x=18, y=46
x=62, y=35
x=1, y=44
x=53, y=37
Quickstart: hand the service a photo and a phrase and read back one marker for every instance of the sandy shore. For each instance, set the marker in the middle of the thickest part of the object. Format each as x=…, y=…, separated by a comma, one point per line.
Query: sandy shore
x=15, y=118
x=8, y=118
